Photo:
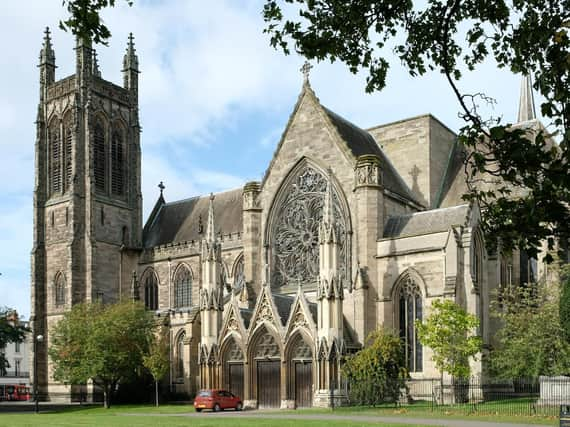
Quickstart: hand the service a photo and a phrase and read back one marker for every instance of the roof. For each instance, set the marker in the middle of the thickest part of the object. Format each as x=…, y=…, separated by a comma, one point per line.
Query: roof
x=360, y=142
x=246, y=315
x=180, y=221
x=427, y=222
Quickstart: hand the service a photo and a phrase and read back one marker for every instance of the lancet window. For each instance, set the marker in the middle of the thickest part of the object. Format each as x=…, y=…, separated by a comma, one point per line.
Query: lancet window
x=409, y=310
x=59, y=290
x=118, y=162
x=239, y=275
x=99, y=156
x=183, y=287
x=55, y=157
x=295, y=228
x=68, y=150
x=151, y=291
x=180, y=356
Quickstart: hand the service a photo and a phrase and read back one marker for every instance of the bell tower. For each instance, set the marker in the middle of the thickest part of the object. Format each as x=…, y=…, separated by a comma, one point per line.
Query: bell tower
x=87, y=192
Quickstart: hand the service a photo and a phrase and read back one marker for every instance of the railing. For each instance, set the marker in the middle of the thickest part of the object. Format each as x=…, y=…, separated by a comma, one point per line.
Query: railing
x=524, y=397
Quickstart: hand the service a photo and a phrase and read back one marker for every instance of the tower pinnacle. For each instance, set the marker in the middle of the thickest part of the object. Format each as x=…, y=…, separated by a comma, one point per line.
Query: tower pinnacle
x=47, y=55
x=526, y=102
x=130, y=60
x=210, y=228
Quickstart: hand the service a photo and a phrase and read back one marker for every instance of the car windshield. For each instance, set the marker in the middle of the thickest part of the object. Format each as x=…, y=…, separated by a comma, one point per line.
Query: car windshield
x=204, y=393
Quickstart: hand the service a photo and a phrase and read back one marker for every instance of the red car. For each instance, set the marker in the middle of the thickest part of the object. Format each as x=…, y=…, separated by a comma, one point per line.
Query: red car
x=217, y=400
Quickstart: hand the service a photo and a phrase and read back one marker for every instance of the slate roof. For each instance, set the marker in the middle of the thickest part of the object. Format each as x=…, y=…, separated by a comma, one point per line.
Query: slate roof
x=432, y=221
x=179, y=221
x=246, y=315
x=360, y=142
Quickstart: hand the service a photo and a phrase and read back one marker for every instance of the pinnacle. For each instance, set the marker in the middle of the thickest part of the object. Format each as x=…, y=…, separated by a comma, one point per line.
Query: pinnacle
x=526, y=101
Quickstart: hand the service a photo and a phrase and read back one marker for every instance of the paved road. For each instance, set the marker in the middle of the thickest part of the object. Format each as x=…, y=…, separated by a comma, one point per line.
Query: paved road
x=445, y=422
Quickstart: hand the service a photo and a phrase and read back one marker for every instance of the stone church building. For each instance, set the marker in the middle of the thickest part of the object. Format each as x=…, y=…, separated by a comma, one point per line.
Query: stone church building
x=266, y=286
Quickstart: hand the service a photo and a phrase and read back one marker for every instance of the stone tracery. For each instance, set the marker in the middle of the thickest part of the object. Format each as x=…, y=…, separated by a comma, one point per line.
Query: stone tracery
x=295, y=229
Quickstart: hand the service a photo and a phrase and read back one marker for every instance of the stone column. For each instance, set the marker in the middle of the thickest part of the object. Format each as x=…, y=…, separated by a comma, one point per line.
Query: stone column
x=252, y=238
x=369, y=224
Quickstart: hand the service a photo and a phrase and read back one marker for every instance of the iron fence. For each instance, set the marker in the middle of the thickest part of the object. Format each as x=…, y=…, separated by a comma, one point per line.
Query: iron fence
x=510, y=397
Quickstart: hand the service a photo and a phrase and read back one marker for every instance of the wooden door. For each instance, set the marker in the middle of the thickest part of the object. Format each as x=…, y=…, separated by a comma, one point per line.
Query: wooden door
x=269, y=384
x=303, y=384
x=236, y=379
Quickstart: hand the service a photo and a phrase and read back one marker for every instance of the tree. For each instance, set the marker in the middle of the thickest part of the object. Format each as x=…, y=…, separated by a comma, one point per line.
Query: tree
x=565, y=302
x=448, y=331
x=85, y=21
x=157, y=361
x=102, y=343
x=530, y=341
x=10, y=331
x=377, y=373
x=452, y=36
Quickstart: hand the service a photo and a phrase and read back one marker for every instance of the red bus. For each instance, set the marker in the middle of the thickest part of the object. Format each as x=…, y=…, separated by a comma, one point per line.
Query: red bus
x=14, y=392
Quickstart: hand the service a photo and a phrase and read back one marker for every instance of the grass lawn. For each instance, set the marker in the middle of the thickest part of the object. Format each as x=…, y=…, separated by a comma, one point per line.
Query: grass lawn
x=490, y=411
x=150, y=416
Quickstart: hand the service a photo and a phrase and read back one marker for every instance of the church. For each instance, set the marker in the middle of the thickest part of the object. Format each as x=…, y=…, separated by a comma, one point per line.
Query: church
x=264, y=287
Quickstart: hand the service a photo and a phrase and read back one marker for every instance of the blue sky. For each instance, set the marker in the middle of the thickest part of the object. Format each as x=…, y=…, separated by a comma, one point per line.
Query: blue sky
x=214, y=100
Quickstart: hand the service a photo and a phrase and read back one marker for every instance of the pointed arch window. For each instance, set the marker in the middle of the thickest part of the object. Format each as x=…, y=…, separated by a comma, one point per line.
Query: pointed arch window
x=151, y=291
x=179, y=357
x=409, y=310
x=55, y=157
x=59, y=290
x=294, y=229
x=99, y=157
x=183, y=287
x=68, y=150
x=118, y=162
x=239, y=275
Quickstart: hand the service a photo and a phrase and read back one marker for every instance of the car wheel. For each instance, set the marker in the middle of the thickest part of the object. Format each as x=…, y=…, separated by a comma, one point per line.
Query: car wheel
x=198, y=409
x=217, y=408
x=239, y=406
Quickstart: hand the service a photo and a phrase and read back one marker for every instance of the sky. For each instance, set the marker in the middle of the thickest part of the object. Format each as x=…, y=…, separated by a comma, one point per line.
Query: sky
x=214, y=100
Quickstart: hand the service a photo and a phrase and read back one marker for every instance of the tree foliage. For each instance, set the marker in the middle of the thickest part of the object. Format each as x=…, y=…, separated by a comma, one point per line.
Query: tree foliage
x=530, y=341
x=10, y=332
x=157, y=360
x=565, y=302
x=84, y=20
x=451, y=37
x=102, y=343
x=448, y=331
x=376, y=373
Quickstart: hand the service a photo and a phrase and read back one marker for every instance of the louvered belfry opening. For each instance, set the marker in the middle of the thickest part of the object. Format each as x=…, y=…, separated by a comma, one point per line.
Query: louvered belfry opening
x=99, y=160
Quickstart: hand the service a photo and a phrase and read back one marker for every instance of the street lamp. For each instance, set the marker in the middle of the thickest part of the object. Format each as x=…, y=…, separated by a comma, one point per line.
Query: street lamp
x=37, y=339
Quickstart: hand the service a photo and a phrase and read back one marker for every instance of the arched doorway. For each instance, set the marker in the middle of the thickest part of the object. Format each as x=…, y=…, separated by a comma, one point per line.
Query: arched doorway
x=233, y=360
x=266, y=370
x=300, y=357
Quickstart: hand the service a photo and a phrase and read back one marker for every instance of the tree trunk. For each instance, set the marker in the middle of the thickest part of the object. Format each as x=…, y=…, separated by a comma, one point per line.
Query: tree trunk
x=106, y=396
x=156, y=391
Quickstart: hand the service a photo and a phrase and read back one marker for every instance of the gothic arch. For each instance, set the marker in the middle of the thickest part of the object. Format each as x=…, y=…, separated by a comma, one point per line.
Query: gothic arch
x=150, y=286
x=59, y=289
x=232, y=339
x=238, y=276
x=259, y=335
x=477, y=257
x=100, y=147
x=178, y=355
x=291, y=230
x=298, y=336
x=118, y=157
x=55, y=155
x=183, y=280
x=408, y=303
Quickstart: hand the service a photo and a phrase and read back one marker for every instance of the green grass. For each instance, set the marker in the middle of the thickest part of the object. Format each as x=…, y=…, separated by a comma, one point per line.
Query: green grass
x=151, y=416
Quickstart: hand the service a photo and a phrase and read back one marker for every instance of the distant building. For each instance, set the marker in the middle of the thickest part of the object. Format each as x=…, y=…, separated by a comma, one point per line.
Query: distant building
x=18, y=356
x=265, y=287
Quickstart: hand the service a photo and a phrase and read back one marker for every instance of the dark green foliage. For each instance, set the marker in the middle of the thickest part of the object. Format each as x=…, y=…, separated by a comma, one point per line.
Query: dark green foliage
x=531, y=339
x=450, y=36
x=565, y=302
x=376, y=374
x=102, y=343
x=85, y=21
x=9, y=332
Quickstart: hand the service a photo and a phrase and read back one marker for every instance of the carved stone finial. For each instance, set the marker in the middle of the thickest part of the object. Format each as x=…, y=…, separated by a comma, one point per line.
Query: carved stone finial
x=47, y=55
x=161, y=186
x=211, y=227
x=306, y=70
x=95, y=65
x=526, y=101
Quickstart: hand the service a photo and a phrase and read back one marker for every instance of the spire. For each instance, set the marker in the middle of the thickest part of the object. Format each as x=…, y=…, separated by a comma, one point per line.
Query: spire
x=95, y=65
x=47, y=55
x=210, y=228
x=328, y=217
x=130, y=60
x=526, y=102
